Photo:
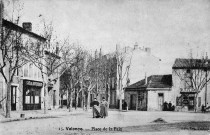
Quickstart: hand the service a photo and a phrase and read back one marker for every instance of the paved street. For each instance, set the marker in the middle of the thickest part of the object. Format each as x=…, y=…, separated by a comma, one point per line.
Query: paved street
x=120, y=120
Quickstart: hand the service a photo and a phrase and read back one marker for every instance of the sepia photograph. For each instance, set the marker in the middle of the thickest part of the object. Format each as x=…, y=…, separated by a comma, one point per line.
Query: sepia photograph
x=104, y=67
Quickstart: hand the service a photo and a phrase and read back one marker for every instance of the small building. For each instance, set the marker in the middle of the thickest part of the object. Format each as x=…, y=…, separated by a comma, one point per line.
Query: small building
x=149, y=93
x=27, y=92
x=191, y=83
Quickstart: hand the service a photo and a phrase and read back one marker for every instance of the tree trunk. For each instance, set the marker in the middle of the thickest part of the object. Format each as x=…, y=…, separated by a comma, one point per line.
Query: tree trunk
x=70, y=99
x=61, y=101
x=195, y=104
x=120, y=93
x=45, y=94
x=108, y=95
x=88, y=101
x=77, y=101
x=8, y=100
x=83, y=100
x=45, y=99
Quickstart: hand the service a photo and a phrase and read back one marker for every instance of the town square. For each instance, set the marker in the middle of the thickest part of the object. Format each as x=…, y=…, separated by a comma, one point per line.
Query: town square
x=104, y=67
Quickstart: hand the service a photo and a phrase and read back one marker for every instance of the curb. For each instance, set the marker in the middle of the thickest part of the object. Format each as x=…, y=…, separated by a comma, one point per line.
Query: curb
x=5, y=120
x=21, y=119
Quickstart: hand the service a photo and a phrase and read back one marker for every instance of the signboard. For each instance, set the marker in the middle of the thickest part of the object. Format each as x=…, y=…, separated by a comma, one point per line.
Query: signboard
x=190, y=90
x=33, y=83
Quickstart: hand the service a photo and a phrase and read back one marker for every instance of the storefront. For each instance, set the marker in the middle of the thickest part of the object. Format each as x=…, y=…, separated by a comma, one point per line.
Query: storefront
x=186, y=100
x=32, y=95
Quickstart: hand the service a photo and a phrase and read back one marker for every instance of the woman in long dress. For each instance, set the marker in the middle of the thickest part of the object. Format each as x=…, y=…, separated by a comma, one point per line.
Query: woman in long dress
x=104, y=108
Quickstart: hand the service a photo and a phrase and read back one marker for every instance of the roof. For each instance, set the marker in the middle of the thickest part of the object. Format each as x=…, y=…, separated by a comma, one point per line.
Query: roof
x=190, y=63
x=154, y=81
x=13, y=26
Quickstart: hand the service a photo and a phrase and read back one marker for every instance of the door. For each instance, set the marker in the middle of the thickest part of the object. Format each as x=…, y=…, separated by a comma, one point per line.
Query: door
x=133, y=102
x=160, y=101
x=32, y=98
x=13, y=97
x=142, y=105
x=191, y=103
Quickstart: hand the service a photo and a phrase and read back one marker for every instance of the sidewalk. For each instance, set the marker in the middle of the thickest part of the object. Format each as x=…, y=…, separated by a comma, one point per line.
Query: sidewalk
x=38, y=114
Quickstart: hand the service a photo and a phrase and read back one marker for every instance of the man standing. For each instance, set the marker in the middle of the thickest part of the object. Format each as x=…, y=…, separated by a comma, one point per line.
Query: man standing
x=95, y=105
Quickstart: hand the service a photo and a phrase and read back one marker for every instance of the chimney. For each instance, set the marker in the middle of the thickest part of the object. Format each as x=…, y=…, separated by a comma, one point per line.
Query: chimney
x=27, y=26
x=100, y=53
x=96, y=54
x=57, y=49
x=145, y=78
x=135, y=46
x=148, y=50
x=206, y=56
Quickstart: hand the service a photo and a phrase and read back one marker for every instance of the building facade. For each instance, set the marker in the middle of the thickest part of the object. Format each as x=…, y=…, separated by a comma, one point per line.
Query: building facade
x=138, y=62
x=149, y=94
x=191, y=83
x=27, y=87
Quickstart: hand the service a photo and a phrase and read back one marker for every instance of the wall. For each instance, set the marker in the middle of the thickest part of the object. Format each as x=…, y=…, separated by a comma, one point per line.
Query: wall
x=127, y=97
x=177, y=84
x=152, y=104
x=141, y=63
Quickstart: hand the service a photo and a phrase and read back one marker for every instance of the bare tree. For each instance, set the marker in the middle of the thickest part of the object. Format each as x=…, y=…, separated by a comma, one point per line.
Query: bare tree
x=120, y=55
x=109, y=72
x=11, y=58
x=72, y=79
x=194, y=75
x=49, y=58
x=89, y=79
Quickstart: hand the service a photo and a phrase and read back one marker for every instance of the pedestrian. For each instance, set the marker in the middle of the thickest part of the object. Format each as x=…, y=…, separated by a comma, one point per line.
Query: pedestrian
x=165, y=106
x=124, y=105
x=104, y=108
x=203, y=109
x=95, y=108
x=169, y=106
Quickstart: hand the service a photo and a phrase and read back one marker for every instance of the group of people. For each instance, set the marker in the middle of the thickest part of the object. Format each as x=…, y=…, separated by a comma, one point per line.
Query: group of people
x=203, y=108
x=100, y=110
x=168, y=106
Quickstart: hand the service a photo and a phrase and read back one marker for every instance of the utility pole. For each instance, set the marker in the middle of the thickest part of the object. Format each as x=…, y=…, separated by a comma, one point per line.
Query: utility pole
x=206, y=64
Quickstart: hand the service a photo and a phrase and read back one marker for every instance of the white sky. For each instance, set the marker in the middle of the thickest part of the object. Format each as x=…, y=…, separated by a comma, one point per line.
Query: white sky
x=169, y=27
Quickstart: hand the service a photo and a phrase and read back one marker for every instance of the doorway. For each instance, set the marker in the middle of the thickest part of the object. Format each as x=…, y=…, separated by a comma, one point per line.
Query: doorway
x=32, y=98
x=133, y=102
x=13, y=97
x=160, y=101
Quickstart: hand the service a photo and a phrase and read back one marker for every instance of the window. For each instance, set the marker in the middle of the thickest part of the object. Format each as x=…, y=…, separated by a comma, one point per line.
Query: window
x=27, y=97
x=188, y=79
x=14, y=89
x=1, y=90
x=35, y=72
x=25, y=70
x=31, y=70
x=16, y=72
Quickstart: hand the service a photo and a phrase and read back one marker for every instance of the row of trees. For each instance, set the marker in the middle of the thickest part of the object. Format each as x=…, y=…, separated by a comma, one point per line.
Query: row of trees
x=87, y=74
